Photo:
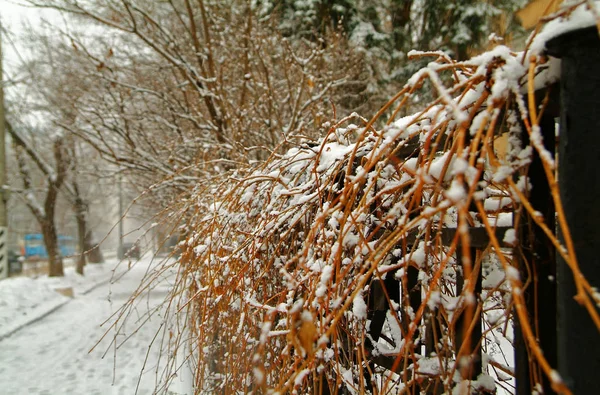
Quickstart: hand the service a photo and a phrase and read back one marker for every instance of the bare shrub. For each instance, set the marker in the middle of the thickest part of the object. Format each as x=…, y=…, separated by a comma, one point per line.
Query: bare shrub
x=287, y=264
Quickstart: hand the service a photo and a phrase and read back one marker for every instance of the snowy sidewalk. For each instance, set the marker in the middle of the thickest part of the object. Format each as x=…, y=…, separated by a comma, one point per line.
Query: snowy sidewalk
x=24, y=300
x=70, y=352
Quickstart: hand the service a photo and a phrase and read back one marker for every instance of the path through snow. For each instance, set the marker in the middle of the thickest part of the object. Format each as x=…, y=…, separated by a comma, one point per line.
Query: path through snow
x=50, y=357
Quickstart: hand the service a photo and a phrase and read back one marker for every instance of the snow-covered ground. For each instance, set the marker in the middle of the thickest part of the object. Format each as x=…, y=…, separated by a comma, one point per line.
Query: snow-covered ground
x=52, y=354
x=23, y=299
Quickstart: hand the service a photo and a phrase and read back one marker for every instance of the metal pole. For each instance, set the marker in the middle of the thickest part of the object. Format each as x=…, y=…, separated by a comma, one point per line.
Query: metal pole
x=3, y=192
x=121, y=219
x=579, y=181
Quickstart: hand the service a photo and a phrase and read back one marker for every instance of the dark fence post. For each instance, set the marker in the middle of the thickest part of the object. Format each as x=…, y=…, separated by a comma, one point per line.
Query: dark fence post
x=579, y=180
x=537, y=261
x=468, y=317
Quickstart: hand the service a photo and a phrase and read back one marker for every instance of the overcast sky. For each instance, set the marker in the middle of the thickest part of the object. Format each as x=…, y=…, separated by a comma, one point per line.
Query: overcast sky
x=9, y=11
x=13, y=18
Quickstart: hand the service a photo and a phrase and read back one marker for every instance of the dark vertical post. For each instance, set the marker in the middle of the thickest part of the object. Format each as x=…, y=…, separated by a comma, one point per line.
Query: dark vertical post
x=579, y=180
x=413, y=294
x=476, y=333
x=121, y=252
x=470, y=317
x=537, y=262
x=4, y=269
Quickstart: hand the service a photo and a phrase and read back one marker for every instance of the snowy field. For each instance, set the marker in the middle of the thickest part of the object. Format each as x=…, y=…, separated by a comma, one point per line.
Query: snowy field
x=52, y=355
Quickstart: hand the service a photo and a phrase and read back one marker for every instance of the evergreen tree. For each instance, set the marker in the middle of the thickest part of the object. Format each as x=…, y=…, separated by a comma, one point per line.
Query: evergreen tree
x=383, y=32
x=311, y=19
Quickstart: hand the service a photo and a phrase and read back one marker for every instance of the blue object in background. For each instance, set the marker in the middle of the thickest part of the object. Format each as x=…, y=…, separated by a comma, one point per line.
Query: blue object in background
x=34, y=246
x=66, y=244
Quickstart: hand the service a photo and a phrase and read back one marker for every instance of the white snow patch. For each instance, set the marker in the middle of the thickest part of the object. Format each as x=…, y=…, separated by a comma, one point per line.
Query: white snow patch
x=510, y=237
x=512, y=273
x=582, y=17
x=23, y=299
x=359, y=307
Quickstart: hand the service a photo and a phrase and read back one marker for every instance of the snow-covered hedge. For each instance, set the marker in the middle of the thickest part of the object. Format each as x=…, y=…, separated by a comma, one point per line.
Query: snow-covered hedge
x=281, y=261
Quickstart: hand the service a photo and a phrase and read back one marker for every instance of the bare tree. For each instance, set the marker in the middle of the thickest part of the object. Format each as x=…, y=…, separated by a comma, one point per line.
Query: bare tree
x=181, y=91
x=178, y=91
x=50, y=93
x=88, y=249
x=54, y=177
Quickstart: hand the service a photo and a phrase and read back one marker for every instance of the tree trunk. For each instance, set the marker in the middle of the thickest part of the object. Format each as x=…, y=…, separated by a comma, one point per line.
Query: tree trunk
x=94, y=255
x=55, y=263
x=401, y=23
x=80, y=210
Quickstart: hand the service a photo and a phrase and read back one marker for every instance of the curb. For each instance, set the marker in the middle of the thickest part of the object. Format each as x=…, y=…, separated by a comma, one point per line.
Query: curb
x=34, y=319
x=98, y=284
x=52, y=309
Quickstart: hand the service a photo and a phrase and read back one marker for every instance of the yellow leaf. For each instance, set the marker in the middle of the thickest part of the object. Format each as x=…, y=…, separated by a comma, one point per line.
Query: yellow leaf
x=307, y=334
